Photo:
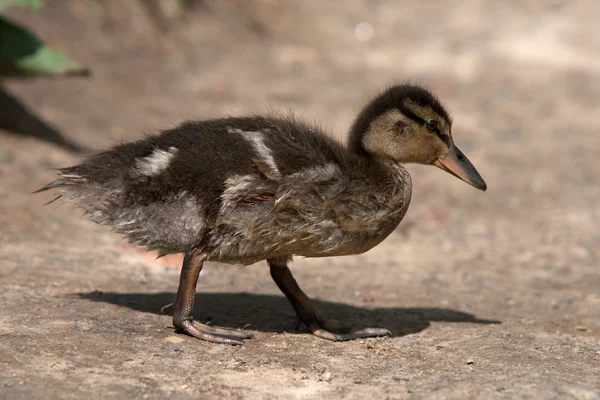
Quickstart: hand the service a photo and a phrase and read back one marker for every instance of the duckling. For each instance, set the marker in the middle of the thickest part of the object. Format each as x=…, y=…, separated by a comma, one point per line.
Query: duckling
x=245, y=189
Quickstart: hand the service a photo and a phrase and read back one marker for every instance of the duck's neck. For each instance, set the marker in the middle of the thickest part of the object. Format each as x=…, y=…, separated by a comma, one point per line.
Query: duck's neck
x=355, y=138
x=356, y=147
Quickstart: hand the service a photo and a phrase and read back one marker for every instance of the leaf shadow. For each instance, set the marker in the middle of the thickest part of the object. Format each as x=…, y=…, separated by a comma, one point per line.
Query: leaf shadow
x=17, y=118
x=273, y=313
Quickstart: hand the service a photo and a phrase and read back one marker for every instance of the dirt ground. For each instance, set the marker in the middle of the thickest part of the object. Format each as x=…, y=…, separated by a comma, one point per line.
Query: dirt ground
x=488, y=295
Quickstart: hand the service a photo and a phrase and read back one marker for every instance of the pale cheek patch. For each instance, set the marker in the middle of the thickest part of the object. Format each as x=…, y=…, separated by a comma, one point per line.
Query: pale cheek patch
x=380, y=139
x=256, y=139
x=155, y=163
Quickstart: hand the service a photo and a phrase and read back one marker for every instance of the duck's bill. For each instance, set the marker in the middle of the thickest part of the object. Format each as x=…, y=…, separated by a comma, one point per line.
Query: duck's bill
x=457, y=164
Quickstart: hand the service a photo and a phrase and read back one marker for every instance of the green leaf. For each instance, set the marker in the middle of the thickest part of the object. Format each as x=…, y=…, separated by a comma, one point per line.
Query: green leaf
x=33, y=4
x=22, y=53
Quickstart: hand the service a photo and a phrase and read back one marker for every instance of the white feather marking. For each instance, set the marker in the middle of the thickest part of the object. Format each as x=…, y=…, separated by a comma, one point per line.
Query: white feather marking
x=73, y=176
x=155, y=163
x=256, y=138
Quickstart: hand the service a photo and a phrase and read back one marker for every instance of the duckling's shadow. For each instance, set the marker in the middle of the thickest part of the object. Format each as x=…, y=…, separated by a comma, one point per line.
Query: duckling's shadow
x=269, y=313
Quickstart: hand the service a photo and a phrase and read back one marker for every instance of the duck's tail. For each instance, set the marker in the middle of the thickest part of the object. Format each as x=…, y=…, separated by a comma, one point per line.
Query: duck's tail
x=66, y=177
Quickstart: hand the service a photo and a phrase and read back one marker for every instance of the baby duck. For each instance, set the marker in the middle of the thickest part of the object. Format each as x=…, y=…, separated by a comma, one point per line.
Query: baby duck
x=242, y=190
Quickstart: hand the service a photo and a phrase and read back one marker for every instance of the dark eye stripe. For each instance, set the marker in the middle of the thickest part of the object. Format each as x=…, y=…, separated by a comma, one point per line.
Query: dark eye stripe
x=416, y=118
x=413, y=116
x=444, y=138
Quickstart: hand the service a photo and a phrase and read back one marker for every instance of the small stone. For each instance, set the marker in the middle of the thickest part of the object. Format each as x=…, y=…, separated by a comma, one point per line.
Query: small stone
x=325, y=376
x=580, y=328
x=175, y=339
x=470, y=361
x=579, y=252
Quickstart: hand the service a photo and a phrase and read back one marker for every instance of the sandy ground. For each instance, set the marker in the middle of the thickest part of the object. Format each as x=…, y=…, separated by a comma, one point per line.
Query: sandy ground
x=489, y=295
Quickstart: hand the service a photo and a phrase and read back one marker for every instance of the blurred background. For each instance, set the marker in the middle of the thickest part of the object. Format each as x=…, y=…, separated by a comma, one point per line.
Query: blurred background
x=521, y=79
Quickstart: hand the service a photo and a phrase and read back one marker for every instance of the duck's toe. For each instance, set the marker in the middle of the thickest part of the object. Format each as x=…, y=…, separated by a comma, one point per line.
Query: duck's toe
x=238, y=333
x=168, y=309
x=213, y=334
x=347, y=333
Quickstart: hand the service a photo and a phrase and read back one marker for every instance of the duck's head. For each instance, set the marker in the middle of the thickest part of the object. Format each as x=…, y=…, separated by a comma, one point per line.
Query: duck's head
x=407, y=124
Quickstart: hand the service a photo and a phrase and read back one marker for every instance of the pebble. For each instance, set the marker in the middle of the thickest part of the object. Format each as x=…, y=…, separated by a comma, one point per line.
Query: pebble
x=325, y=376
x=175, y=339
x=579, y=252
x=368, y=299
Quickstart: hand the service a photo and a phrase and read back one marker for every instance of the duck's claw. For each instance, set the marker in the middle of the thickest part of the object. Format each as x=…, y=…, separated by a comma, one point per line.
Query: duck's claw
x=168, y=309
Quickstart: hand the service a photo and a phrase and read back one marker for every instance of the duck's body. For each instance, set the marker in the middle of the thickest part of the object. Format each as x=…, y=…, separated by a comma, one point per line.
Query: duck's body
x=241, y=190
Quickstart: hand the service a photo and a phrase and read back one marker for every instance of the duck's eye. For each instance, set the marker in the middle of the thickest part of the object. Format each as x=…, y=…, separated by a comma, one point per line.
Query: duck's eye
x=431, y=125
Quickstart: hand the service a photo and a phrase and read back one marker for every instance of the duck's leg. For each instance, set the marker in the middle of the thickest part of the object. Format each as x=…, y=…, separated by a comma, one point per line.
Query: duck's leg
x=184, y=306
x=307, y=312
